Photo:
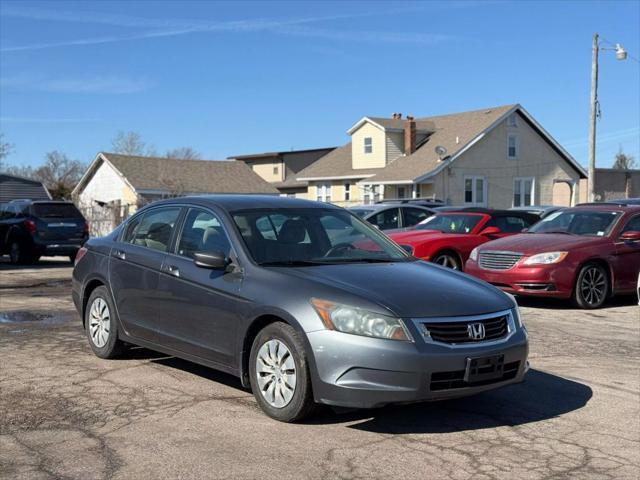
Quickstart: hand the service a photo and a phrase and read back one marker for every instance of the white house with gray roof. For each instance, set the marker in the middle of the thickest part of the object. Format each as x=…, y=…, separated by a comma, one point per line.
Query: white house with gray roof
x=496, y=157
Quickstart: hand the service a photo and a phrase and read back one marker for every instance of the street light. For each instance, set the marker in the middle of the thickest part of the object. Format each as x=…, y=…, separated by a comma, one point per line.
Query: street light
x=621, y=54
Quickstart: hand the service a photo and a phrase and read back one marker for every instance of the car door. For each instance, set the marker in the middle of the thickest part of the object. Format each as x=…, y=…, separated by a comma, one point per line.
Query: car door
x=201, y=305
x=386, y=219
x=627, y=256
x=134, y=270
x=412, y=216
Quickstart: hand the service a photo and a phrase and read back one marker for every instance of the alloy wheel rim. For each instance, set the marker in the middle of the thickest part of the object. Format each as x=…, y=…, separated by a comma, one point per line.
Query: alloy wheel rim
x=99, y=322
x=447, y=261
x=593, y=286
x=276, y=373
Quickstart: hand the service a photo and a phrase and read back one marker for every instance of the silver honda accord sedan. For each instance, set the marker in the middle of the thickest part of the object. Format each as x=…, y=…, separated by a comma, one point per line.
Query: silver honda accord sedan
x=303, y=301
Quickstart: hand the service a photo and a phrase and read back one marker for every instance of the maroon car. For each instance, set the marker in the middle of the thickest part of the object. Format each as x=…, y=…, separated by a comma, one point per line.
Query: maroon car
x=587, y=253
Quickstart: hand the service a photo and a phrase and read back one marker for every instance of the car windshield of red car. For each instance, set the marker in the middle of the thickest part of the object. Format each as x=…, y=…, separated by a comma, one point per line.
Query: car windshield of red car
x=578, y=222
x=451, y=223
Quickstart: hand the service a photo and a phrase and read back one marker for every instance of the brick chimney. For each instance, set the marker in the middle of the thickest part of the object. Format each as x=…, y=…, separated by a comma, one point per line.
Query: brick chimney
x=409, y=135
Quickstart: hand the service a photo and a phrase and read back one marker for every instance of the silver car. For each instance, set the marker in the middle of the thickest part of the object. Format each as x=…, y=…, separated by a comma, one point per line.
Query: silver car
x=260, y=288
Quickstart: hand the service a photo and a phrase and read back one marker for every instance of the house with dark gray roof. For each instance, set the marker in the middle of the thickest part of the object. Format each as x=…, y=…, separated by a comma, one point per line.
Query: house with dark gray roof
x=497, y=157
x=13, y=187
x=114, y=185
x=280, y=169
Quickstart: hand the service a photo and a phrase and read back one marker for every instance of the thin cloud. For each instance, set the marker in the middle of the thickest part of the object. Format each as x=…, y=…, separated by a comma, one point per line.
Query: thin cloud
x=170, y=28
x=89, y=85
x=47, y=120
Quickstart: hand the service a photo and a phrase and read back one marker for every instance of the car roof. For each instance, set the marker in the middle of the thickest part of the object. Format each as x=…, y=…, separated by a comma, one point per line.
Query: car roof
x=608, y=207
x=245, y=202
x=383, y=206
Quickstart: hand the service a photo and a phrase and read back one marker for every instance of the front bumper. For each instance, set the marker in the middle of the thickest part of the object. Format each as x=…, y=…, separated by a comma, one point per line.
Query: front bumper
x=362, y=372
x=539, y=281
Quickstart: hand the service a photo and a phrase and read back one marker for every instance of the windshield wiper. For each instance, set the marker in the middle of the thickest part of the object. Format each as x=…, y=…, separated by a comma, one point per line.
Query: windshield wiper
x=563, y=232
x=366, y=260
x=291, y=263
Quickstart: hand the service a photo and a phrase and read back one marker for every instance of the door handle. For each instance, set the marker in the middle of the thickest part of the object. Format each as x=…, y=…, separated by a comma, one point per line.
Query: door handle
x=120, y=254
x=173, y=270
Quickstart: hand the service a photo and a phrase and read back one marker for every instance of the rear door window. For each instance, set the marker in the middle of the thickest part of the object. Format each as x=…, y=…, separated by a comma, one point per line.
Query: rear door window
x=154, y=230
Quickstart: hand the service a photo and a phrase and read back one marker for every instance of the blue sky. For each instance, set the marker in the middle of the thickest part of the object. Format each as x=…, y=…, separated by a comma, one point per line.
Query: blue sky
x=236, y=78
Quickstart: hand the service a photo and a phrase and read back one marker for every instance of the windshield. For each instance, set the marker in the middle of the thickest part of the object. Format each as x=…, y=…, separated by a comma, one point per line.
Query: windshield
x=313, y=236
x=577, y=222
x=361, y=212
x=451, y=223
x=55, y=210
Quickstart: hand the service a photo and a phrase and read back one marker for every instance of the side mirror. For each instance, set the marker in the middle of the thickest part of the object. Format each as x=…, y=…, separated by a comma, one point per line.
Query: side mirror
x=407, y=248
x=214, y=260
x=490, y=231
x=630, y=236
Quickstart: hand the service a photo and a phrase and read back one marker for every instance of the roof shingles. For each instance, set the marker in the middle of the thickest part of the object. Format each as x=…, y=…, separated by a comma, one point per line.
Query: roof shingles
x=189, y=176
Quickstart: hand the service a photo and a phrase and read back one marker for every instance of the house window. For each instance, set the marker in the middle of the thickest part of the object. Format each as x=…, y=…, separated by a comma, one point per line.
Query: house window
x=323, y=192
x=377, y=193
x=523, y=192
x=402, y=192
x=368, y=145
x=275, y=170
x=416, y=189
x=474, y=190
x=512, y=146
x=513, y=120
x=347, y=192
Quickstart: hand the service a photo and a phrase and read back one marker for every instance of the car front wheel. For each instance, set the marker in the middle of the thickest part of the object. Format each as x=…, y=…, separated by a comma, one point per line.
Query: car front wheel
x=101, y=325
x=447, y=259
x=592, y=286
x=279, y=373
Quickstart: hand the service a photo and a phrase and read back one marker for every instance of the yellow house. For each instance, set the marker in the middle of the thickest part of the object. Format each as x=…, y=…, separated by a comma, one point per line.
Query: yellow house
x=497, y=157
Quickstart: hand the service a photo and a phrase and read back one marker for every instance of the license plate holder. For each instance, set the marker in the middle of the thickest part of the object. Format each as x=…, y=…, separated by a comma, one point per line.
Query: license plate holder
x=480, y=369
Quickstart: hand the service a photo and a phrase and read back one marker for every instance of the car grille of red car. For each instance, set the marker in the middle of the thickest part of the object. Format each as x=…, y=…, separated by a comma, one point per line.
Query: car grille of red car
x=458, y=332
x=499, y=260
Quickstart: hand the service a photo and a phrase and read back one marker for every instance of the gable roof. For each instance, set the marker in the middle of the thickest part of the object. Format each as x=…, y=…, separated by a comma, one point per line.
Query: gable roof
x=393, y=124
x=13, y=187
x=146, y=174
x=456, y=132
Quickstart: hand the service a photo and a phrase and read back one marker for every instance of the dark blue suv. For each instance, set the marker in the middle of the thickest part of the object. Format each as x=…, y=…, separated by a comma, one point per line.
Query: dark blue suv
x=30, y=229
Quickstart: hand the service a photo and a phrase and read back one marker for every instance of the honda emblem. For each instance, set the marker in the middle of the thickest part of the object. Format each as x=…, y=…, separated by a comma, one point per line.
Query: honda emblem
x=476, y=331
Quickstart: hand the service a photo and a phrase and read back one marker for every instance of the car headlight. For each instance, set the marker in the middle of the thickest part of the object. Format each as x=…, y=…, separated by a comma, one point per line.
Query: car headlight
x=474, y=254
x=546, y=258
x=357, y=321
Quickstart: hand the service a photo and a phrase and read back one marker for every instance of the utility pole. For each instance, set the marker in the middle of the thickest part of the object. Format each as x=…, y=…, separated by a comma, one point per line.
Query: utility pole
x=591, y=186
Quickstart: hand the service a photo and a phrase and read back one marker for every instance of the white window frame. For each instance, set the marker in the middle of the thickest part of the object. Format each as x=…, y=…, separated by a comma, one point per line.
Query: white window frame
x=521, y=182
x=516, y=146
x=367, y=143
x=347, y=192
x=513, y=120
x=474, y=190
x=323, y=192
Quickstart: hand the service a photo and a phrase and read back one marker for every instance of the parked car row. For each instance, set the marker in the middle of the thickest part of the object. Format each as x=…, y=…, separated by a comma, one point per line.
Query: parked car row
x=587, y=253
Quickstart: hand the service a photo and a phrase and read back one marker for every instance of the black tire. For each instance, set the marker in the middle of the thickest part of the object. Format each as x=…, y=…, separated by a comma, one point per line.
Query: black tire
x=18, y=254
x=113, y=346
x=448, y=259
x=301, y=404
x=592, y=286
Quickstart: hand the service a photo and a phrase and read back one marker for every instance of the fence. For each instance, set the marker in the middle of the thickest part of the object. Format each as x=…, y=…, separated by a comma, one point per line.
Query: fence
x=104, y=217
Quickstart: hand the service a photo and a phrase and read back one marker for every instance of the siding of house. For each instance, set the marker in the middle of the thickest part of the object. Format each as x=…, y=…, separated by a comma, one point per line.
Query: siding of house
x=376, y=159
x=395, y=145
x=337, y=193
x=488, y=159
x=264, y=168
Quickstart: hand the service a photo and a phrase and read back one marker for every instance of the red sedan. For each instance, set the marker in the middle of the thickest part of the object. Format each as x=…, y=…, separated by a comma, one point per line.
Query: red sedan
x=587, y=253
x=448, y=238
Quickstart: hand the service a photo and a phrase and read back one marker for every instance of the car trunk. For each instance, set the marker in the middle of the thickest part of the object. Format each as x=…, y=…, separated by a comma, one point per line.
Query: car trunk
x=58, y=221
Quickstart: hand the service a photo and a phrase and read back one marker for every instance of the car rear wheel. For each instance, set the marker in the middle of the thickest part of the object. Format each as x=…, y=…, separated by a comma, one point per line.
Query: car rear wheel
x=101, y=325
x=447, y=259
x=592, y=286
x=279, y=373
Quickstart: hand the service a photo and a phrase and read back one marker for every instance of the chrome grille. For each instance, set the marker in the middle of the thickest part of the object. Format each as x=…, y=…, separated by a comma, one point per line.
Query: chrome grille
x=458, y=332
x=498, y=260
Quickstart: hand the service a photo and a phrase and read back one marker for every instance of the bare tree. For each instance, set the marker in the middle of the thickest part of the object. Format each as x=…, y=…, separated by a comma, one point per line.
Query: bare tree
x=60, y=174
x=183, y=153
x=624, y=161
x=131, y=143
x=5, y=149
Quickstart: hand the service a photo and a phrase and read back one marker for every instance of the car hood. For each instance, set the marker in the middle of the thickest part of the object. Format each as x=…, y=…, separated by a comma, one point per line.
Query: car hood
x=418, y=236
x=530, y=243
x=410, y=289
